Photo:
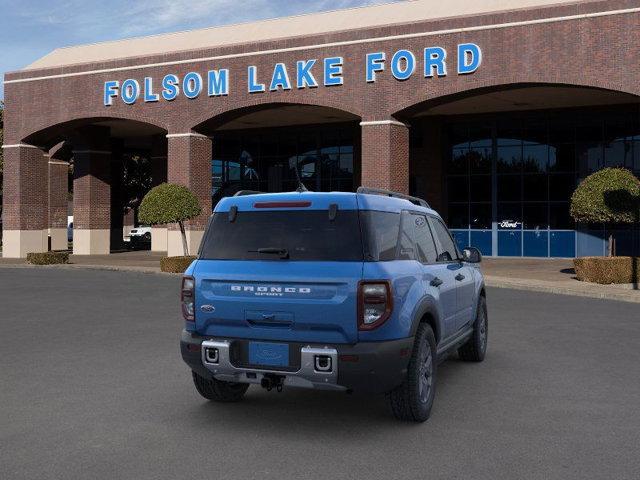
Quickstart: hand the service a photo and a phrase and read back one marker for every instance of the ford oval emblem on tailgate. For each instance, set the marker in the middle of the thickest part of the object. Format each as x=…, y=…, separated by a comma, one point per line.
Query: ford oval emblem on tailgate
x=208, y=308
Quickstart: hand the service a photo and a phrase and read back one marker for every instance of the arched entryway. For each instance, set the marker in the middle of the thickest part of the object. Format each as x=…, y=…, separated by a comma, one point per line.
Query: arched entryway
x=272, y=147
x=500, y=164
x=100, y=166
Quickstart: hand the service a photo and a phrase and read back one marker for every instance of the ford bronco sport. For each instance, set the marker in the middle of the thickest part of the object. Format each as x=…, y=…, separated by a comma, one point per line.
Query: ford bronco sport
x=358, y=291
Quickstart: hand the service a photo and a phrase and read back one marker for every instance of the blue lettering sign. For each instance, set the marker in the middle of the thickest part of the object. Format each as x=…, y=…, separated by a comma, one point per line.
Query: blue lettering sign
x=254, y=87
x=280, y=78
x=218, y=82
x=192, y=85
x=149, y=96
x=375, y=63
x=304, y=77
x=333, y=71
x=403, y=64
x=170, y=87
x=130, y=91
x=434, y=59
x=469, y=58
x=110, y=92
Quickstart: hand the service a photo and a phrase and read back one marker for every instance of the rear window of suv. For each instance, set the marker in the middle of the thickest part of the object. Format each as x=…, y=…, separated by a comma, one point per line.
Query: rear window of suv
x=308, y=235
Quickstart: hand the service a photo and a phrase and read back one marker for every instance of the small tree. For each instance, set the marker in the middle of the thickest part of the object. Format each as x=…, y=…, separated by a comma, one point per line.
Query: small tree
x=611, y=195
x=169, y=203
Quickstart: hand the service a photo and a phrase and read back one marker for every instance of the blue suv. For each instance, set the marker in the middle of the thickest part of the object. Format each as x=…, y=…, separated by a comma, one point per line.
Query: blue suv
x=361, y=291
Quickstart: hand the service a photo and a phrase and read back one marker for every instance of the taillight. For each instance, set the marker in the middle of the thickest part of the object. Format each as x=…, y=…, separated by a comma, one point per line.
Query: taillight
x=374, y=304
x=187, y=297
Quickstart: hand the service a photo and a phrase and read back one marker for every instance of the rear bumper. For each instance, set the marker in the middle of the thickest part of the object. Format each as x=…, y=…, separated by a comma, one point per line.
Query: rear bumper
x=372, y=367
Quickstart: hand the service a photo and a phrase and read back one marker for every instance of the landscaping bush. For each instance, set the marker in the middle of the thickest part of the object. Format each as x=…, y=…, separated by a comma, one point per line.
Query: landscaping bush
x=175, y=264
x=170, y=203
x=607, y=270
x=48, y=258
x=609, y=196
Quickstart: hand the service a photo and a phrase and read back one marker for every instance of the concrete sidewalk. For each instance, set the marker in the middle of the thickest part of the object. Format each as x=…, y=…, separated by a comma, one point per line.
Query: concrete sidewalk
x=552, y=276
x=539, y=275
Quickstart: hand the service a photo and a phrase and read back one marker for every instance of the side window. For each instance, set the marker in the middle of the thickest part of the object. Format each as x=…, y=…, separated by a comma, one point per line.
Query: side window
x=424, y=240
x=406, y=250
x=446, y=247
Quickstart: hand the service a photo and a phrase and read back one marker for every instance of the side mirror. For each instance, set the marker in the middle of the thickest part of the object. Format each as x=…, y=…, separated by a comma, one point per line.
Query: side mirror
x=471, y=255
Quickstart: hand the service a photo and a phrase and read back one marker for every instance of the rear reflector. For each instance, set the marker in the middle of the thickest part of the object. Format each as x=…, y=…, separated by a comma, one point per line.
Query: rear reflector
x=282, y=204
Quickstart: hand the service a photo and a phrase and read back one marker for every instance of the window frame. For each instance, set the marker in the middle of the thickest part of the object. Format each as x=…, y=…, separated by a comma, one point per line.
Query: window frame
x=439, y=247
x=415, y=237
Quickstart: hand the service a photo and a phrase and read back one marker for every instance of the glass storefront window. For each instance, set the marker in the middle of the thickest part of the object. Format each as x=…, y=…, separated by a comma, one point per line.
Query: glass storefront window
x=535, y=188
x=509, y=187
x=480, y=216
x=510, y=159
x=481, y=188
x=266, y=160
x=535, y=158
x=480, y=159
x=535, y=216
x=509, y=215
x=618, y=154
x=458, y=215
x=458, y=188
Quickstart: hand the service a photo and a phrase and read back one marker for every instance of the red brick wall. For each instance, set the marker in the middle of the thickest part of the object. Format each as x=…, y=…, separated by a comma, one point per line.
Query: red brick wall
x=25, y=189
x=58, y=192
x=385, y=156
x=189, y=164
x=599, y=52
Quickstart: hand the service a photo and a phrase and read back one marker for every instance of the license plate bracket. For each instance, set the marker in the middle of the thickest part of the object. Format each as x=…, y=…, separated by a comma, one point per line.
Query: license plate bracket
x=269, y=354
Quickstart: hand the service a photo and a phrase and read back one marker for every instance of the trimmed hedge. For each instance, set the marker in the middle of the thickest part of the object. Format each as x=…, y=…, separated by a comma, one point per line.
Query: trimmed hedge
x=168, y=203
x=607, y=270
x=48, y=258
x=175, y=264
x=610, y=195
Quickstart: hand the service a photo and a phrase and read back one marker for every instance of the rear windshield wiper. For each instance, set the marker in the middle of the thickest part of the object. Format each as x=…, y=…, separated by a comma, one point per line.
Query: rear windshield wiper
x=283, y=252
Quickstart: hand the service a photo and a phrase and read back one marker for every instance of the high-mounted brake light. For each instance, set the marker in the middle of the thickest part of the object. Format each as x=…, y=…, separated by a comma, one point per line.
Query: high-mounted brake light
x=281, y=204
x=375, y=303
x=187, y=298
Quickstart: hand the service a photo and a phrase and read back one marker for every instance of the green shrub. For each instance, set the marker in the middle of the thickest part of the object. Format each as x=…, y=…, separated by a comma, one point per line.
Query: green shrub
x=175, y=264
x=611, y=195
x=170, y=203
x=48, y=258
x=607, y=270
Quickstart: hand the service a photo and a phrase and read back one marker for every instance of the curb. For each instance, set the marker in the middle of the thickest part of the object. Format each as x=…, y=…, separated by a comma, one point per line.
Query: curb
x=75, y=266
x=604, y=291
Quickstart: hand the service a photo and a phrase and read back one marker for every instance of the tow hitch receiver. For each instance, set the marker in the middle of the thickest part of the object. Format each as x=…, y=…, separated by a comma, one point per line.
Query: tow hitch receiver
x=270, y=381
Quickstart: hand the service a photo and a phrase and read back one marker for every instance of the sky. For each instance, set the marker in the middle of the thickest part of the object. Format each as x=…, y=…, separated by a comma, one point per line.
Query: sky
x=29, y=29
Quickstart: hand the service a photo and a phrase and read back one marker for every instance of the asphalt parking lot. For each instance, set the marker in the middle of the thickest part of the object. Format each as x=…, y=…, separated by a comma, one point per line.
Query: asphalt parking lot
x=92, y=386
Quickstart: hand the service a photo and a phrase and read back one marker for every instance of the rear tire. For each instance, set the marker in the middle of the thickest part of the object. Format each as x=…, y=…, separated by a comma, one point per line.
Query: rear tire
x=412, y=401
x=218, y=391
x=476, y=347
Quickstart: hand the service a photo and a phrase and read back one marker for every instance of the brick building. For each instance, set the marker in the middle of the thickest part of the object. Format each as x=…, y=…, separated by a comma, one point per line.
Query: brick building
x=492, y=110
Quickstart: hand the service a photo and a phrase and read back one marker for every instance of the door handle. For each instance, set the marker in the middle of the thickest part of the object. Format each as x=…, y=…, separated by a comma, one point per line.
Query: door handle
x=436, y=282
x=460, y=277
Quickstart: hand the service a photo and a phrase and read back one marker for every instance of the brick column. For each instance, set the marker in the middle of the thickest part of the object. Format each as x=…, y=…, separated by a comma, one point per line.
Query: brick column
x=24, y=201
x=158, y=176
x=189, y=164
x=58, y=191
x=385, y=155
x=92, y=192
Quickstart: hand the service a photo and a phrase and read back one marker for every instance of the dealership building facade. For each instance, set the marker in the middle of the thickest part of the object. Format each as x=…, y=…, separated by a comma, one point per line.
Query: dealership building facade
x=492, y=110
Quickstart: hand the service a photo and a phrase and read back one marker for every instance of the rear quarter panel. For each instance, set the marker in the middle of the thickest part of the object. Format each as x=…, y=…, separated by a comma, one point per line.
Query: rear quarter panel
x=408, y=292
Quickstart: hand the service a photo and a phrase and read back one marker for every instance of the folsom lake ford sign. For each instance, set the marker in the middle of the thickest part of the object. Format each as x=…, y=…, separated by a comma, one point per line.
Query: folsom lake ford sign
x=308, y=73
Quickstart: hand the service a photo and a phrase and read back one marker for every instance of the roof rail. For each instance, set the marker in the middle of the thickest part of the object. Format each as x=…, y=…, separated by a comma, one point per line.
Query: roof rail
x=242, y=193
x=389, y=193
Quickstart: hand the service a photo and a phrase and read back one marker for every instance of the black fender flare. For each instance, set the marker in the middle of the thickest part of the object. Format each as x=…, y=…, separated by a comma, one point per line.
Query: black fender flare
x=427, y=306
